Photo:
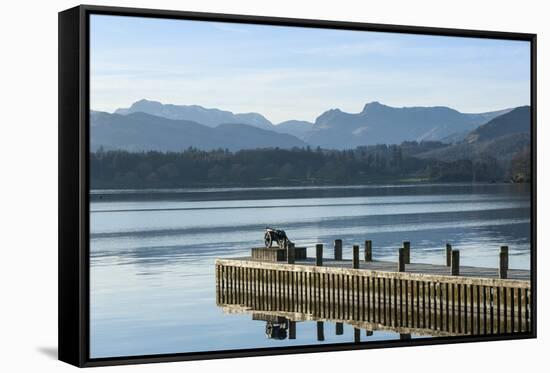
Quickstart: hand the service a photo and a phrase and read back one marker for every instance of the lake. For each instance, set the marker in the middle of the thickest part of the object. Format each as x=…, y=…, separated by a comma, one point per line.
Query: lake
x=152, y=253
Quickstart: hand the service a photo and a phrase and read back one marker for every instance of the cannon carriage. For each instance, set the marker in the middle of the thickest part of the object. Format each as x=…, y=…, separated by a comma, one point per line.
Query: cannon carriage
x=276, y=235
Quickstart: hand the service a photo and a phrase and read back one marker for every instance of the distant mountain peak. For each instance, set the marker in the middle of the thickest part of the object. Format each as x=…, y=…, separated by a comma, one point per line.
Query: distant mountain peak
x=209, y=117
x=146, y=103
x=372, y=105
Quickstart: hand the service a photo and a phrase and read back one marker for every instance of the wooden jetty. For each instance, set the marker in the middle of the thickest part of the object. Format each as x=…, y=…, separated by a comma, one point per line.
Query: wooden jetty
x=405, y=297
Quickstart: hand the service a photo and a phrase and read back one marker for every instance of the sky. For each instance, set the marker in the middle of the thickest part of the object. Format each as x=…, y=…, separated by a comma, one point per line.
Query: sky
x=298, y=73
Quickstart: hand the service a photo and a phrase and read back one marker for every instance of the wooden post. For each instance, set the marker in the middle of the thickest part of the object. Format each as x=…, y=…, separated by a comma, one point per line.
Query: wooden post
x=356, y=335
x=448, y=250
x=339, y=328
x=455, y=262
x=319, y=254
x=291, y=253
x=401, y=262
x=503, y=266
x=320, y=331
x=368, y=251
x=338, y=249
x=407, y=247
x=355, y=261
x=291, y=329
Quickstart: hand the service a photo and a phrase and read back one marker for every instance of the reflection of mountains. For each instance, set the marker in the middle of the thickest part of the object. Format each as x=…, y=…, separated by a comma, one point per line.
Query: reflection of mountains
x=376, y=223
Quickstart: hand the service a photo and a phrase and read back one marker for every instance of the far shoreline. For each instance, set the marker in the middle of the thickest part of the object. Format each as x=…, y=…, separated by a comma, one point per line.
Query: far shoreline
x=313, y=191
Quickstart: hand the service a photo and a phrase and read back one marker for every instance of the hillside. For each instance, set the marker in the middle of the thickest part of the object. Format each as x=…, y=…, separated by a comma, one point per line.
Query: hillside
x=501, y=138
x=140, y=131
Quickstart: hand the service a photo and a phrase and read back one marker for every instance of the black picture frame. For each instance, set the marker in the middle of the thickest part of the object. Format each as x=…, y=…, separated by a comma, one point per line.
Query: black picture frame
x=73, y=250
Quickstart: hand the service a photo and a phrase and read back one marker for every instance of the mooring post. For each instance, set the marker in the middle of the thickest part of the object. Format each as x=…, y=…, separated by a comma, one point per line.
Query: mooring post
x=503, y=267
x=338, y=249
x=448, y=250
x=407, y=247
x=356, y=335
x=291, y=329
x=401, y=263
x=355, y=256
x=291, y=253
x=319, y=254
x=368, y=251
x=339, y=328
x=455, y=262
x=320, y=331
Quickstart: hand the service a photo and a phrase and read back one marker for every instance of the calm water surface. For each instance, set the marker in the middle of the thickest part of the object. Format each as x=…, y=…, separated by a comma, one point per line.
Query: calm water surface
x=152, y=252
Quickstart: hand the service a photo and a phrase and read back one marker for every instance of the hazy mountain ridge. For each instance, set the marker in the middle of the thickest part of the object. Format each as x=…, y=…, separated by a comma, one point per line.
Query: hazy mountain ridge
x=298, y=128
x=333, y=129
x=140, y=132
x=195, y=113
x=378, y=123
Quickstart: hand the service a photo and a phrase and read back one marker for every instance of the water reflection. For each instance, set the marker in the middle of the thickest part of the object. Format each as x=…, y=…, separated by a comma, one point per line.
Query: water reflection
x=152, y=253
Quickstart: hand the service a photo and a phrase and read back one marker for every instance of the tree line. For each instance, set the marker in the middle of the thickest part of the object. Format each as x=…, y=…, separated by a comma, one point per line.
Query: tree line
x=279, y=167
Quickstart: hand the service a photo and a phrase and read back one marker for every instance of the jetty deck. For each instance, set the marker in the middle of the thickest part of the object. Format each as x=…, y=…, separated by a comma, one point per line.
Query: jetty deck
x=421, y=269
x=403, y=296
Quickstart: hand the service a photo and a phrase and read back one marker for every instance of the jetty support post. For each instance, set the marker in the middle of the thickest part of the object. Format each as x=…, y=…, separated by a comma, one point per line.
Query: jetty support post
x=455, y=262
x=339, y=328
x=407, y=247
x=319, y=254
x=338, y=249
x=368, y=251
x=320, y=331
x=503, y=263
x=291, y=253
x=355, y=256
x=401, y=262
x=356, y=335
x=448, y=250
x=291, y=329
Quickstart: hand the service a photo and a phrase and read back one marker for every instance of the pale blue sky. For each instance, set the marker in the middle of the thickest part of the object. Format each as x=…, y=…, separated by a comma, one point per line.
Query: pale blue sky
x=298, y=73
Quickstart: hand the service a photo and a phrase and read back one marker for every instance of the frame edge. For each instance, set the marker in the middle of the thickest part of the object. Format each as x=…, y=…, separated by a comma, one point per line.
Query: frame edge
x=70, y=274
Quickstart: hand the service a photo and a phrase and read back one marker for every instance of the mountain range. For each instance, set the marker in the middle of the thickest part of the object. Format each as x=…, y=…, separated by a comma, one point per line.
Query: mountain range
x=382, y=124
x=196, y=113
x=151, y=125
x=140, y=131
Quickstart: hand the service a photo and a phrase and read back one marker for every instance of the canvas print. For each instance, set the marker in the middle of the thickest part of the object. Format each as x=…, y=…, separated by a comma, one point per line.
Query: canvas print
x=261, y=186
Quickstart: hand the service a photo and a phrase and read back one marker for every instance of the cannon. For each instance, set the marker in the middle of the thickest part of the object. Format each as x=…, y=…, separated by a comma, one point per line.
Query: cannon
x=276, y=235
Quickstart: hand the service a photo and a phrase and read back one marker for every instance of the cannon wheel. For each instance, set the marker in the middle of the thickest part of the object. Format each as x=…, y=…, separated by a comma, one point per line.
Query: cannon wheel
x=268, y=240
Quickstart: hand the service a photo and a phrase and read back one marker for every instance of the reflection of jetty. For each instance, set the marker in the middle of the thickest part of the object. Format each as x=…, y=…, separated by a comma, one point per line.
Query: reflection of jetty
x=407, y=298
